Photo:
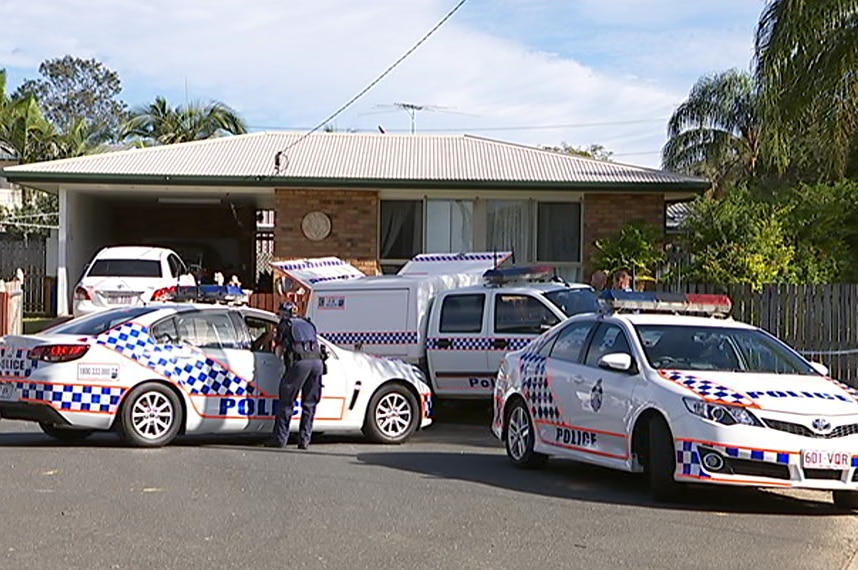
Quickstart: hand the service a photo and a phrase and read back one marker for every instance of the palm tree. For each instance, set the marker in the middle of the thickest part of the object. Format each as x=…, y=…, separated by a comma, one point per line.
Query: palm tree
x=23, y=127
x=160, y=123
x=807, y=69
x=715, y=132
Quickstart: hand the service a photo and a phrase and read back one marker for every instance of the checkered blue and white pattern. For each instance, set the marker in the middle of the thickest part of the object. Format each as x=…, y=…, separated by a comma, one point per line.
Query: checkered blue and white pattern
x=315, y=280
x=475, y=343
x=852, y=391
x=389, y=337
x=688, y=460
x=73, y=397
x=16, y=362
x=708, y=390
x=516, y=344
x=309, y=264
x=537, y=388
x=460, y=257
x=193, y=369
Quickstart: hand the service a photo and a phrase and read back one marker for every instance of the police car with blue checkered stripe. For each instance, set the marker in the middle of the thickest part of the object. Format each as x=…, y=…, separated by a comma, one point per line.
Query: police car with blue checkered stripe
x=659, y=384
x=156, y=371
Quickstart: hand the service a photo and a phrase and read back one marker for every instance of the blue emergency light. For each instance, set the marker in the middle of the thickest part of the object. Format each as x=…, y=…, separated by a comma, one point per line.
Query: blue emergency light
x=502, y=275
x=663, y=302
x=228, y=294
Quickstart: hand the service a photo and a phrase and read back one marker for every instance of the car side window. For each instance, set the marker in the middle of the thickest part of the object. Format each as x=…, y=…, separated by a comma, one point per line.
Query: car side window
x=570, y=342
x=608, y=338
x=173, y=262
x=165, y=332
x=463, y=313
x=521, y=314
x=208, y=330
x=262, y=333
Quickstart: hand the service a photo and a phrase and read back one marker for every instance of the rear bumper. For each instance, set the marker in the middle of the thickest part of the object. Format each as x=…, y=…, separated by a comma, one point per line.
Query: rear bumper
x=42, y=413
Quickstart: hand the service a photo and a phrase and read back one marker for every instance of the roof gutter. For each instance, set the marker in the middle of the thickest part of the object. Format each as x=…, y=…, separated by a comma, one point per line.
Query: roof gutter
x=30, y=177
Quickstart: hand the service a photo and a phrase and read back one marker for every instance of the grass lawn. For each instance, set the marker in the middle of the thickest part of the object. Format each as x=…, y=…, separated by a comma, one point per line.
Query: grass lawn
x=33, y=325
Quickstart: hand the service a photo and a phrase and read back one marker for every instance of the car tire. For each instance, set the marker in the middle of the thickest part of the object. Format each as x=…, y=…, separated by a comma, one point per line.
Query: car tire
x=151, y=416
x=847, y=500
x=661, y=463
x=520, y=438
x=66, y=435
x=392, y=416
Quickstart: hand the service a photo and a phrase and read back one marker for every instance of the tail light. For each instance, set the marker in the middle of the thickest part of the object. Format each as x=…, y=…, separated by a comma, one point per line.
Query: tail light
x=81, y=294
x=58, y=352
x=164, y=294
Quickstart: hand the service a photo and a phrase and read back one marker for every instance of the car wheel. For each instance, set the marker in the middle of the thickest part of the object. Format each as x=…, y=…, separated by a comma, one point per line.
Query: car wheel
x=67, y=435
x=392, y=416
x=521, y=437
x=151, y=416
x=847, y=500
x=661, y=463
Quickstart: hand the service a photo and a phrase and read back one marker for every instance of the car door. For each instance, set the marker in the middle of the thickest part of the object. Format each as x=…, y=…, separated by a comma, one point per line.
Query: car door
x=457, y=347
x=606, y=395
x=516, y=319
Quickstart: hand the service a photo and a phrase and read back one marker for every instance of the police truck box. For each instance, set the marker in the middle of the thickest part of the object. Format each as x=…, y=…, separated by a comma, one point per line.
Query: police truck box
x=454, y=315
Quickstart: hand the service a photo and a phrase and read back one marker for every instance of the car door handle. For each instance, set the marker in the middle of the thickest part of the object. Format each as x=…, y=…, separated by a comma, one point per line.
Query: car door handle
x=500, y=343
x=444, y=343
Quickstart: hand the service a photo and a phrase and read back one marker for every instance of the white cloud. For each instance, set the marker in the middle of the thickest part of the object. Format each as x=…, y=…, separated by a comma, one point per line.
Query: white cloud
x=284, y=64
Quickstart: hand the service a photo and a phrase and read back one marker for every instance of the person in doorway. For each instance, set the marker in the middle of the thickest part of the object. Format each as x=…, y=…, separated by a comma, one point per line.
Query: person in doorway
x=298, y=343
x=599, y=280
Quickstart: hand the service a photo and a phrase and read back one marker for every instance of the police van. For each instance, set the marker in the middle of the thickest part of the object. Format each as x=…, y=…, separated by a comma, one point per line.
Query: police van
x=454, y=315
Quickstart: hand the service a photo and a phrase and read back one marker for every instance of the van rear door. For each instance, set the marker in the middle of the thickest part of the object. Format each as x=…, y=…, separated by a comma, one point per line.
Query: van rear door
x=456, y=347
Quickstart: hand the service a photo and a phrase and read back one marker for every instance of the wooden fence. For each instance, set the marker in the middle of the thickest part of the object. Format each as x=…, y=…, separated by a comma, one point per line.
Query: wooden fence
x=820, y=321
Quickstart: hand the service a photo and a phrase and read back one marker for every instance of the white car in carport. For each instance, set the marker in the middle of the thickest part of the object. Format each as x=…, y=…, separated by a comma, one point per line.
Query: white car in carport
x=127, y=276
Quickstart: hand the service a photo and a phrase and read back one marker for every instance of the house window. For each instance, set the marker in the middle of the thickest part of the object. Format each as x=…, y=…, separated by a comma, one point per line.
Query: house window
x=509, y=227
x=449, y=226
x=401, y=229
x=559, y=232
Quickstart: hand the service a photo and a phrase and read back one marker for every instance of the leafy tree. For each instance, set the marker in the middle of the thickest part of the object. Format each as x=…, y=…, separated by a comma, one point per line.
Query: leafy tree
x=806, y=62
x=73, y=89
x=24, y=130
x=738, y=239
x=160, y=123
x=637, y=247
x=715, y=132
x=595, y=151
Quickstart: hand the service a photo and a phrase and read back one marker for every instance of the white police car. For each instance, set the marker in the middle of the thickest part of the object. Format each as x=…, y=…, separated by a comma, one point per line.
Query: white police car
x=682, y=398
x=153, y=372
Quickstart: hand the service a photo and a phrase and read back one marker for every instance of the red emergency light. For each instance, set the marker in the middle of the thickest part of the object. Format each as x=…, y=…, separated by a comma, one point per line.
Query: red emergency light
x=660, y=302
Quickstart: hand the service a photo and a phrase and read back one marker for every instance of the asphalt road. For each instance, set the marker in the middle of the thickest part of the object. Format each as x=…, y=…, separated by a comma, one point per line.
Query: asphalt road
x=446, y=500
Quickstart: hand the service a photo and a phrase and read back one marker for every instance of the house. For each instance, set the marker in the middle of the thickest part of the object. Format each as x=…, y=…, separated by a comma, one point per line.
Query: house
x=9, y=197
x=373, y=199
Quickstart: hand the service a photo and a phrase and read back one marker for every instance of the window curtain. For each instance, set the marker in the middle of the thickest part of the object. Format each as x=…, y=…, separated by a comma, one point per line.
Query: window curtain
x=401, y=228
x=509, y=227
x=559, y=231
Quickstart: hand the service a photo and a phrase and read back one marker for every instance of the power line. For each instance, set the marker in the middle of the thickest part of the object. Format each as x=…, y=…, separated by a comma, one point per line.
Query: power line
x=371, y=85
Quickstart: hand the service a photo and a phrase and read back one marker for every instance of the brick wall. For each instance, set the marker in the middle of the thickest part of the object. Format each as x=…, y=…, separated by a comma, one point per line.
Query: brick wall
x=354, y=226
x=605, y=215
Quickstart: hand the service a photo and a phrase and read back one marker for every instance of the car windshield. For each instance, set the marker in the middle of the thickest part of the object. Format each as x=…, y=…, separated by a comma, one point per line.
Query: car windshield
x=719, y=348
x=125, y=268
x=574, y=301
x=97, y=323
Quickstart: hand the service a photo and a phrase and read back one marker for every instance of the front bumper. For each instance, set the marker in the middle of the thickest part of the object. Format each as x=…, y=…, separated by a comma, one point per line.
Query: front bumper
x=758, y=457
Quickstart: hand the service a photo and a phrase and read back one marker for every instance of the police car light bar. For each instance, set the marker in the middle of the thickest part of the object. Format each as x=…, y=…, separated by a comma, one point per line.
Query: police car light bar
x=227, y=294
x=501, y=275
x=655, y=302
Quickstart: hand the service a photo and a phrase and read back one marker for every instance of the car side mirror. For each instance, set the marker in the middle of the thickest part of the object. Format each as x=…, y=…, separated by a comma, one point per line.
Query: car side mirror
x=821, y=368
x=620, y=361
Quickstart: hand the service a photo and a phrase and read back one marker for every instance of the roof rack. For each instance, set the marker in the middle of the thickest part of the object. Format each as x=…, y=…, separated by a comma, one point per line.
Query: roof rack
x=661, y=302
x=215, y=294
x=504, y=275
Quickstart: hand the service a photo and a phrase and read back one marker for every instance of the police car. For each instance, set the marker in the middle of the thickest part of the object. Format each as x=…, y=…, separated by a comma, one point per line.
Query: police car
x=156, y=371
x=659, y=384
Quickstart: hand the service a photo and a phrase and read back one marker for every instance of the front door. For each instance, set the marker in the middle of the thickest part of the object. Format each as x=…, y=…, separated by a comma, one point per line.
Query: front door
x=458, y=345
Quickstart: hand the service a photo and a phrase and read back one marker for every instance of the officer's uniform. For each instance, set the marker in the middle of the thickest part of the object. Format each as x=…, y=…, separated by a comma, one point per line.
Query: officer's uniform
x=303, y=356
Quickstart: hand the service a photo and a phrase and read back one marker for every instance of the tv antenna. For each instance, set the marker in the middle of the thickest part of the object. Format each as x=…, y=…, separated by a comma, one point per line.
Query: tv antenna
x=412, y=109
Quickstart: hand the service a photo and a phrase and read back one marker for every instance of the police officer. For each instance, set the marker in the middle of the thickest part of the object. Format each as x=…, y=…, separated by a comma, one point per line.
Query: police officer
x=303, y=356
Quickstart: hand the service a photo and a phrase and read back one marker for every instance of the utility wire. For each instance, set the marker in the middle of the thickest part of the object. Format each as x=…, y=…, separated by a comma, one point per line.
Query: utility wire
x=371, y=85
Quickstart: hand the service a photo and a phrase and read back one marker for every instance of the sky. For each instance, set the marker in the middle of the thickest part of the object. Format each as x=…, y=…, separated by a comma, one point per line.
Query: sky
x=533, y=72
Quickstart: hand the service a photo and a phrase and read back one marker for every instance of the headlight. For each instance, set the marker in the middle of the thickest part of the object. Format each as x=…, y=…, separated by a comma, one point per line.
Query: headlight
x=721, y=413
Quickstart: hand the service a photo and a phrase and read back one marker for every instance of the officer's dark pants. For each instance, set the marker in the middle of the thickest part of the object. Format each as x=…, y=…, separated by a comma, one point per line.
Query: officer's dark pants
x=305, y=376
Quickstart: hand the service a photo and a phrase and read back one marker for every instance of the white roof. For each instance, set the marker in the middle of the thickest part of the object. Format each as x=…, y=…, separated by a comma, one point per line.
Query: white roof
x=134, y=252
x=680, y=320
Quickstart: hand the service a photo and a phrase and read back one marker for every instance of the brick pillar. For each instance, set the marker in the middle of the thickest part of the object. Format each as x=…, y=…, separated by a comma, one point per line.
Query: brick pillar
x=354, y=225
x=605, y=214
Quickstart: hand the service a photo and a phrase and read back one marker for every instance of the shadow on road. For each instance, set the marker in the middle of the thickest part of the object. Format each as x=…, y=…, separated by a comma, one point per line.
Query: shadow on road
x=577, y=481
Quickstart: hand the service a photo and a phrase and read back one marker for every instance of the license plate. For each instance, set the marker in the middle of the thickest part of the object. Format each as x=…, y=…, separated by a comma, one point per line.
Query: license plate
x=817, y=459
x=97, y=371
x=121, y=300
x=7, y=392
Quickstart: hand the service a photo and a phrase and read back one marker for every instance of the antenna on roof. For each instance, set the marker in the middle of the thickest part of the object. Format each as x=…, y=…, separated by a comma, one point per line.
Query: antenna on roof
x=412, y=109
